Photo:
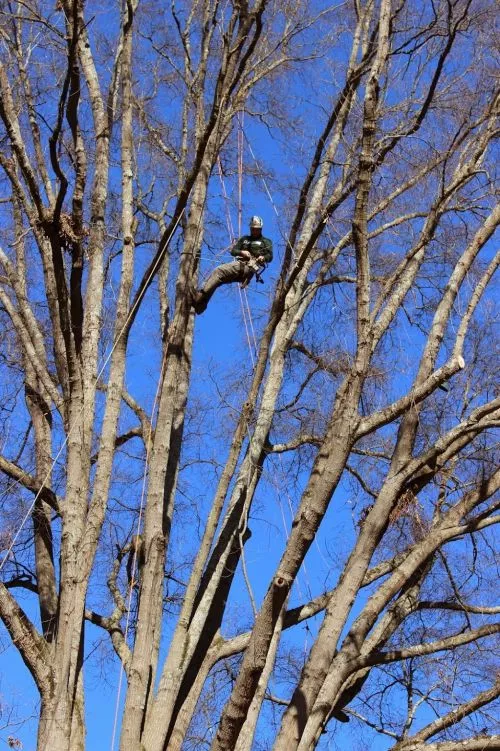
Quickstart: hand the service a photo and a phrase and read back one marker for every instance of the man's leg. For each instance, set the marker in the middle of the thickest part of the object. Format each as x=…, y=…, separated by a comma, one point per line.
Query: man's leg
x=235, y=271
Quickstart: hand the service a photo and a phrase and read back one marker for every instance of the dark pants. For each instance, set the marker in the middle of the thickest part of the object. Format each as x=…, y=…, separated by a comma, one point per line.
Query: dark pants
x=235, y=271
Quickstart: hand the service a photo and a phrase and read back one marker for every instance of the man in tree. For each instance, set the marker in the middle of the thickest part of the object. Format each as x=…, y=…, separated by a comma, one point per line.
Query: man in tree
x=251, y=251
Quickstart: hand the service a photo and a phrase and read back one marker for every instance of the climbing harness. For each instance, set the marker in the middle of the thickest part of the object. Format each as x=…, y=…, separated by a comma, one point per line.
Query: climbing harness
x=257, y=268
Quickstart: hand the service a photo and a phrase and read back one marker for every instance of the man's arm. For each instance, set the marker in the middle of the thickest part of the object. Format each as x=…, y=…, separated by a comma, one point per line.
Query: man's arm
x=237, y=247
x=267, y=250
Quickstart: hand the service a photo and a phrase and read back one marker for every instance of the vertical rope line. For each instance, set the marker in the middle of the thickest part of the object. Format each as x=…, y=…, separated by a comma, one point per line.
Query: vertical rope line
x=252, y=359
x=266, y=187
x=246, y=310
x=252, y=329
x=240, y=168
x=232, y=238
x=241, y=136
x=244, y=300
x=264, y=181
x=277, y=489
x=229, y=220
x=244, y=297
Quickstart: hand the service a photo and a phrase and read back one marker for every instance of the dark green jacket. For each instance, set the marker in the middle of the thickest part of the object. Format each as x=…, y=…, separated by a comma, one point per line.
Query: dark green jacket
x=257, y=246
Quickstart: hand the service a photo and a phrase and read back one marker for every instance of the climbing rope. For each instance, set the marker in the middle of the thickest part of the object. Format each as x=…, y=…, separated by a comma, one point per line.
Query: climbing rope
x=241, y=115
x=286, y=238
x=241, y=138
x=232, y=237
x=252, y=341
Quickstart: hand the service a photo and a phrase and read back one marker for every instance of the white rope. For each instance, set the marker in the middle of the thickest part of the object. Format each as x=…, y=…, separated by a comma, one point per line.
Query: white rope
x=264, y=181
x=240, y=167
x=244, y=297
x=241, y=135
x=77, y=418
x=232, y=238
x=250, y=334
x=250, y=319
x=278, y=494
x=252, y=359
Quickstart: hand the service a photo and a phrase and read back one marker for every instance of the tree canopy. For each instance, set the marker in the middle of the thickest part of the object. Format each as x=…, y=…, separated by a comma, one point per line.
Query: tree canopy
x=272, y=525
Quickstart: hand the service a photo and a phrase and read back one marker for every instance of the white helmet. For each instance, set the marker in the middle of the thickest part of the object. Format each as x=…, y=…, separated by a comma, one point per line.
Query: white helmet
x=256, y=222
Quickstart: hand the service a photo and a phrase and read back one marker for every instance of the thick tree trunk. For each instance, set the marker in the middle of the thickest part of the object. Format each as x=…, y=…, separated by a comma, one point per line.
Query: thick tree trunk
x=62, y=720
x=161, y=489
